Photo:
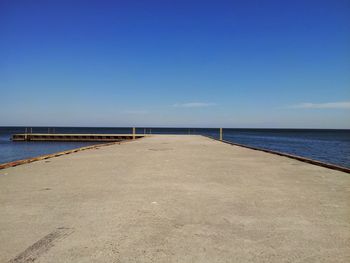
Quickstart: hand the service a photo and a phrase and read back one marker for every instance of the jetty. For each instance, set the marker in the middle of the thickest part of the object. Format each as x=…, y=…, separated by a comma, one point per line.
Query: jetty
x=173, y=198
x=74, y=137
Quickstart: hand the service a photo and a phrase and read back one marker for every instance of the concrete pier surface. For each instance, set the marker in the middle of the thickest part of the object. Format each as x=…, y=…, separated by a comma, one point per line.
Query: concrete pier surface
x=173, y=199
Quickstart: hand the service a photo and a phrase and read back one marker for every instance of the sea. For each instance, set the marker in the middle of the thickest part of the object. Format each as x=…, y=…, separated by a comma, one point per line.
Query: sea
x=325, y=145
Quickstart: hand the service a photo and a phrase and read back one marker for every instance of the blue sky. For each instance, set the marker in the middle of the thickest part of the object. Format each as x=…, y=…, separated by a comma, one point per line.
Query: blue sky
x=175, y=63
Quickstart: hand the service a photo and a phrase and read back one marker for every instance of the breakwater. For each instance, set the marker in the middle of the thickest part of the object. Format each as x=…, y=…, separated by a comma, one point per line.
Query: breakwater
x=328, y=146
x=173, y=199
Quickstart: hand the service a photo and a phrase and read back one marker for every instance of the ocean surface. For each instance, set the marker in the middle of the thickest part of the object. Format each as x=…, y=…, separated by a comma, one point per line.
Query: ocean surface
x=331, y=146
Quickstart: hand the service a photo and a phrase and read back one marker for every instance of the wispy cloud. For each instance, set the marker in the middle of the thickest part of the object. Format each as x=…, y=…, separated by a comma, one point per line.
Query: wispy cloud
x=327, y=105
x=194, y=105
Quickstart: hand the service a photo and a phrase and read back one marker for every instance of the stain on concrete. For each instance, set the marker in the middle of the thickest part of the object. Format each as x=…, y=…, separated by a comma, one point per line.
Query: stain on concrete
x=161, y=149
x=42, y=246
x=45, y=189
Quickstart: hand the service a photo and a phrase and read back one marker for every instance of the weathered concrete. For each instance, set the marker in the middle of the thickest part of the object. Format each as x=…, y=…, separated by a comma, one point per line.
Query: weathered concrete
x=174, y=199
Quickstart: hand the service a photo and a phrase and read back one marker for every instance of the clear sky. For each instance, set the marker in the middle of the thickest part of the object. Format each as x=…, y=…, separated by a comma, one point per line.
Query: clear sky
x=175, y=63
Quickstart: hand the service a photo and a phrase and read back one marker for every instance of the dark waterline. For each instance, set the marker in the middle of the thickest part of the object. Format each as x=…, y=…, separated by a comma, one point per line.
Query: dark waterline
x=331, y=146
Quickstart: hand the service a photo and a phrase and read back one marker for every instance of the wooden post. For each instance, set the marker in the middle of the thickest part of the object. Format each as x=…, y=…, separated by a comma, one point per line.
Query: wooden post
x=220, y=134
x=133, y=133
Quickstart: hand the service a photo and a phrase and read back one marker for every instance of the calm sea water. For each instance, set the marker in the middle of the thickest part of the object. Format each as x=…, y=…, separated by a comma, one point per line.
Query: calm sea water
x=332, y=146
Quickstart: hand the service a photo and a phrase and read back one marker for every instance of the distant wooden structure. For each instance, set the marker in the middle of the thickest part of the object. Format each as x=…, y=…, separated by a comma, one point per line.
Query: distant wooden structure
x=75, y=137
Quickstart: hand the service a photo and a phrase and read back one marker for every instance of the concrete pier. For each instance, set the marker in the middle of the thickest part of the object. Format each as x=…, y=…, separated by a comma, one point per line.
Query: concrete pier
x=174, y=199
